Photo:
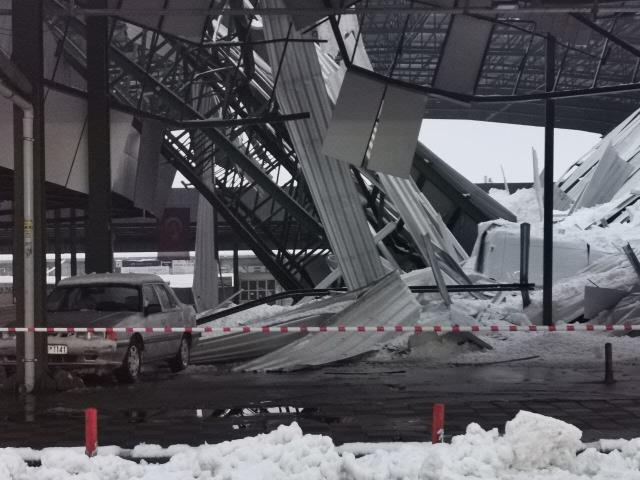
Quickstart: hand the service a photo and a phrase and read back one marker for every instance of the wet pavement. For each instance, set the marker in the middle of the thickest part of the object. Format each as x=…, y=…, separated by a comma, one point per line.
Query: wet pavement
x=352, y=402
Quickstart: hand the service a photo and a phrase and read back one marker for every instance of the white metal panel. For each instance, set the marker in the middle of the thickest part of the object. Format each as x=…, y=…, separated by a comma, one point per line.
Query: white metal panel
x=151, y=138
x=354, y=115
x=301, y=21
x=6, y=133
x=463, y=54
x=187, y=26
x=396, y=136
x=66, y=142
x=125, y=143
x=5, y=29
x=166, y=175
x=55, y=66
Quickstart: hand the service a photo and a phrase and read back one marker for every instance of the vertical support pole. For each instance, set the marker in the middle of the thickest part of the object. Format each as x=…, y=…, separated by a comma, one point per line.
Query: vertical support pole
x=57, y=247
x=608, y=364
x=437, y=423
x=18, y=232
x=31, y=215
x=98, y=245
x=525, y=237
x=549, y=127
x=91, y=432
x=236, y=271
x=72, y=242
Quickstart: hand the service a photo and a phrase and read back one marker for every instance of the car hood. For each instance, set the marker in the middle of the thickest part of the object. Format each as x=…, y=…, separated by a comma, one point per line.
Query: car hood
x=91, y=318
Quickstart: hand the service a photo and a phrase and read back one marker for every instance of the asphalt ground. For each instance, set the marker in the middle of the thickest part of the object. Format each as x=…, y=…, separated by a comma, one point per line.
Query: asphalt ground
x=356, y=402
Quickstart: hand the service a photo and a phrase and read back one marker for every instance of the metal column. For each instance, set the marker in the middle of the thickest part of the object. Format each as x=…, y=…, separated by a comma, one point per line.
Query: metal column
x=57, y=246
x=72, y=242
x=236, y=271
x=547, y=266
x=28, y=56
x=98, y=244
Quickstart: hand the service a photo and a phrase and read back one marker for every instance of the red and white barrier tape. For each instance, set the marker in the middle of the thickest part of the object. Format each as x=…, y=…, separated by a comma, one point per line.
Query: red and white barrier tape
x=332, y=329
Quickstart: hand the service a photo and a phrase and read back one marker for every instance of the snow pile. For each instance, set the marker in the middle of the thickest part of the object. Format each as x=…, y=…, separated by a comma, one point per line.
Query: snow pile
x=522, y=203
x=258, y=315
x=580, y=226
x=534, y=447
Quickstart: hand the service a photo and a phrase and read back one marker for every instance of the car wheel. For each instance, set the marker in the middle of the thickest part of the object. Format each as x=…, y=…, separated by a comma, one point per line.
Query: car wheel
x=181, y=360
x=129, y=372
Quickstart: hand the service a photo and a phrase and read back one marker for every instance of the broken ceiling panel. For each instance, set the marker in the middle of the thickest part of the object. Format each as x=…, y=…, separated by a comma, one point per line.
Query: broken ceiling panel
x=187, y=26
x=394, y=143
x=463, y=54
x=353, y=119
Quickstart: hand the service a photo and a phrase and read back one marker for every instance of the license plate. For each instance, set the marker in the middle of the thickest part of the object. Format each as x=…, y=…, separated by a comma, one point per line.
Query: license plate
x=57, y=349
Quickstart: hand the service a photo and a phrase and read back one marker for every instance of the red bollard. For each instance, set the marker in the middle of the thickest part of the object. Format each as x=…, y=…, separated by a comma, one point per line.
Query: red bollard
x=437, y=424
x=91, y=431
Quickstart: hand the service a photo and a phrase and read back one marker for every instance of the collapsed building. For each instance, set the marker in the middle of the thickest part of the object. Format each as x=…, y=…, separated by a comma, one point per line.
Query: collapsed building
x=443, y=240
x=310, y=154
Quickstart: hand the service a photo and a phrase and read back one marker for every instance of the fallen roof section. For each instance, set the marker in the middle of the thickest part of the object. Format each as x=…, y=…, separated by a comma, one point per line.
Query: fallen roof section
x=243, y=346
x=388, y=302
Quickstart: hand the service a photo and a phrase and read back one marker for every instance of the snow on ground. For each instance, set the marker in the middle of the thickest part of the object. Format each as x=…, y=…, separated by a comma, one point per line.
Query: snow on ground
x=576, y=349
x=533, y=447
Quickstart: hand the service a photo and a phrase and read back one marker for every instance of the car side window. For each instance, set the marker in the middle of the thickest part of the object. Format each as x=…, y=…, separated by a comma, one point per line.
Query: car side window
x=150, y=296
x=173, y=301
x=164, y=297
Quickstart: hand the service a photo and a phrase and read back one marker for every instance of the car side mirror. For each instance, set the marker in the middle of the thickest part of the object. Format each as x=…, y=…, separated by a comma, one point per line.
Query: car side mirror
x=152, y=308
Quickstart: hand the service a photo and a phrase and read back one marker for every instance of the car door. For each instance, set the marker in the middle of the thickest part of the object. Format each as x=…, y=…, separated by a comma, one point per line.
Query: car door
x=172, y=317
x=154, y=317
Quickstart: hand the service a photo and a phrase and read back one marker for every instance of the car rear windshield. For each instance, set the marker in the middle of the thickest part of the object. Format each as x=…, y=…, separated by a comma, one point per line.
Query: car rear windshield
x=107, y=298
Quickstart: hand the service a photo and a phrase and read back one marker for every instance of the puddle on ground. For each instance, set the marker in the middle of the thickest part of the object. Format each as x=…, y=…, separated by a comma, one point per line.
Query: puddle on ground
x=245, y=415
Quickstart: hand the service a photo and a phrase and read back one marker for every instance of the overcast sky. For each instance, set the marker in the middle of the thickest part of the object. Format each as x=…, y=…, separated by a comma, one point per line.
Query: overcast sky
x=477, y=149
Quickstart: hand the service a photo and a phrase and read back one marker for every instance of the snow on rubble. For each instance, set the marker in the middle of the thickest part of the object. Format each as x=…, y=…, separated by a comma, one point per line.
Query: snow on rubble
x=533, y=447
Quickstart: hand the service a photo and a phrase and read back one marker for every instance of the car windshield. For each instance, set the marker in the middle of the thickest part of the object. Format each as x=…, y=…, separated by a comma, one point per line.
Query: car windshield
x=106, y=298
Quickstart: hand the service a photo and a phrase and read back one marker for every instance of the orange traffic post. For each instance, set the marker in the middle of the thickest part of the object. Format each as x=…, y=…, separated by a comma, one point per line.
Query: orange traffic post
x=437, y=424
x=91, y=431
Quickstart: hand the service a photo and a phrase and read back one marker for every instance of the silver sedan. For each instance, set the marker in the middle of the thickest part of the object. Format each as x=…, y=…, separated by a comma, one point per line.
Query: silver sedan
x=114, y=300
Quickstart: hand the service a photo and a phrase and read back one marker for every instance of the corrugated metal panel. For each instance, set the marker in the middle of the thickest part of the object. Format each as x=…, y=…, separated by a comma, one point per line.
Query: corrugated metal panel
x=625, y=138
x=388, y=302
x=243, y=346
x=419, y=216
x=610, y=173
x=301, y=89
